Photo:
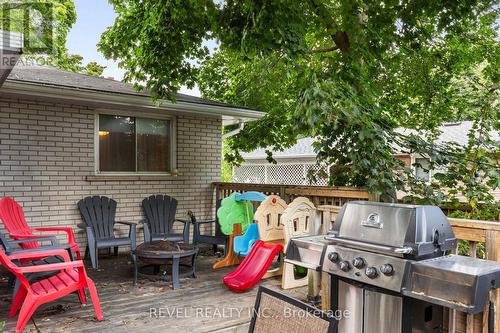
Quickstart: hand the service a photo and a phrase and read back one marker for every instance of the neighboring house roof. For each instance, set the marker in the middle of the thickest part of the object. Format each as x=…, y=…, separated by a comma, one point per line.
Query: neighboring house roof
x=451, y=132
x=456, y=132
x=303, y=148
x=73, y=84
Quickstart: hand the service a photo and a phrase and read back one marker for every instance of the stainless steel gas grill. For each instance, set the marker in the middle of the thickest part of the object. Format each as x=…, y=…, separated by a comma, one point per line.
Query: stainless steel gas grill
x=390, y=268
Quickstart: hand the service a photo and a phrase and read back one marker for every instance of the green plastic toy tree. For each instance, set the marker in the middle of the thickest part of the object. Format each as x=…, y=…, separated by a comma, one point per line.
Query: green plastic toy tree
x=232, y=212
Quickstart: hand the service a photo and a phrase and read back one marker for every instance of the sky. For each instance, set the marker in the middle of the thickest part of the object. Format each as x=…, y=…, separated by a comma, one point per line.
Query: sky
x=93, y=17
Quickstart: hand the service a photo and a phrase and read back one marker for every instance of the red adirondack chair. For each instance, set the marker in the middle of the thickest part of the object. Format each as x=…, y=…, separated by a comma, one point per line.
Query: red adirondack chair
x=11, y=213
x=71, y=278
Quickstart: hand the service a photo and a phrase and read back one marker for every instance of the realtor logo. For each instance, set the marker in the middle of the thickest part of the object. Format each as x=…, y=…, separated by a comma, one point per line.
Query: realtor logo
x=27, y=25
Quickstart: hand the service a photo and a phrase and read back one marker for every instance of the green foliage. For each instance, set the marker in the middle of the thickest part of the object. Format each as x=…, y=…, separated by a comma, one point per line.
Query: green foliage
x=473, y=171
x=248, y=84
x=233, y=212
x=158, y=42
x=464, y=249
x=94, y=69
x=485, y=212
x=46, y=32
x=74, y=62
x=346, y=72
x=227, y=168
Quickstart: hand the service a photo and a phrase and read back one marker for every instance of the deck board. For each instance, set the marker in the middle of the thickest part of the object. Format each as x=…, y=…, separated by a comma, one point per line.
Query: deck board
x=127, y=308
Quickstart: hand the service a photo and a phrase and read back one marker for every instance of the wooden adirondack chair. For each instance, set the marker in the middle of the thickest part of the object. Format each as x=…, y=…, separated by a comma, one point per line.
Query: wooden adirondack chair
x=12, y=216
x=72, y=277
x=160, y=218
x=98, y=213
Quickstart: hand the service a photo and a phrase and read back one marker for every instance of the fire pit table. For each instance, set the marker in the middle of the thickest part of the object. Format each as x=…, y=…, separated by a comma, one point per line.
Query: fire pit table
x=165, y=253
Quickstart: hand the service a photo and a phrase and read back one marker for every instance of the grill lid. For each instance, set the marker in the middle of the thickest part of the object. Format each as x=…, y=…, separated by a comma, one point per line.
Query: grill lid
x=401, y=229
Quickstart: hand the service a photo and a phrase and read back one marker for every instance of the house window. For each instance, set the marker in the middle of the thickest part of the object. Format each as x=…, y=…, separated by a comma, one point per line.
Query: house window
x=134, y=145
x=422, y=169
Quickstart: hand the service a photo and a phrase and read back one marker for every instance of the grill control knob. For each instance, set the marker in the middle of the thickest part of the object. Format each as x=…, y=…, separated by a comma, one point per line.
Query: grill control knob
x=371, y=272
x=344, y=265
x=333, y=256
x=387, y=269
x=358, y=262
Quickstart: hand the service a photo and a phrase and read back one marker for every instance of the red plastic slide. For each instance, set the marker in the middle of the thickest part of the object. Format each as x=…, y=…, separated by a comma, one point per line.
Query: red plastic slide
x=253, y=267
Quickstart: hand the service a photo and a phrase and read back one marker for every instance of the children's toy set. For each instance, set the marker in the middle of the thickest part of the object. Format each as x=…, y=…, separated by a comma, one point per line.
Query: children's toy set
x=258, y=240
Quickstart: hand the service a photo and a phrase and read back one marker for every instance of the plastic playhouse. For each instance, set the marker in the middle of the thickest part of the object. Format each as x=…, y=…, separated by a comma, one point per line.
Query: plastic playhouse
x=235, y=215
x=256, y=264
x=275, y=224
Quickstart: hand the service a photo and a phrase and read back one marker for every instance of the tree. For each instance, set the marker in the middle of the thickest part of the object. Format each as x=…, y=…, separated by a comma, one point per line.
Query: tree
x=45, y=24
x=346, y=72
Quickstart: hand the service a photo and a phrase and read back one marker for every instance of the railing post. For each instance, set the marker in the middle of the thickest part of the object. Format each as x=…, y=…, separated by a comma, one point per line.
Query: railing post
x=217, y=193
x=493, y=253
x=283, y=194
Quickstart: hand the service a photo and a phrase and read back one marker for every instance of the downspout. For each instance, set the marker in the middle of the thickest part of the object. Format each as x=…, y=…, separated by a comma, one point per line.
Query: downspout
x=234, y=132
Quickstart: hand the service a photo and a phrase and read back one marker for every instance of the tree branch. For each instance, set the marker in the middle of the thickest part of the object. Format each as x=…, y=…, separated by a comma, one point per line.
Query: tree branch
x=326, y=50
x=340, y=38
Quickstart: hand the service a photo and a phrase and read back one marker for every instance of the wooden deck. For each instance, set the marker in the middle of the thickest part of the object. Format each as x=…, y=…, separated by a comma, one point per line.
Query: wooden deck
x=203, y=304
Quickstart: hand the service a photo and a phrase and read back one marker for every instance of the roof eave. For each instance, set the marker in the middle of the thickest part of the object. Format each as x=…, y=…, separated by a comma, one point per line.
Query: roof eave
x=83, y=95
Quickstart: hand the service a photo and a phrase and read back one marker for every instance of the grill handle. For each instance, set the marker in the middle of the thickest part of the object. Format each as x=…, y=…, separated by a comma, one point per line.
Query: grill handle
x=403, y=250
x=372, y=247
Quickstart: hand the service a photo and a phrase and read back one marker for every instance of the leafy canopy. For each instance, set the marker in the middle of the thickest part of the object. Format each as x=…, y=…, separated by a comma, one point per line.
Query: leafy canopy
x=345, y=72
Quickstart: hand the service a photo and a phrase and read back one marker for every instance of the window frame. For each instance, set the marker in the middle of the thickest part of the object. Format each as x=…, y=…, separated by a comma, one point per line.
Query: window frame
x=144, y=115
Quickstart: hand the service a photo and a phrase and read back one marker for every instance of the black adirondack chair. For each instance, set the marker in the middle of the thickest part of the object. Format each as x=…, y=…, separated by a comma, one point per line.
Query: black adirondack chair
x=159, y=211
x=9, y=248
x=98, y=213
x=217, y=239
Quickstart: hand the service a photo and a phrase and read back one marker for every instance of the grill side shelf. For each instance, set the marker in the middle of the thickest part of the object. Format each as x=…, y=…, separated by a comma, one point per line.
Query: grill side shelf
x=457, y=282
x=307, y=252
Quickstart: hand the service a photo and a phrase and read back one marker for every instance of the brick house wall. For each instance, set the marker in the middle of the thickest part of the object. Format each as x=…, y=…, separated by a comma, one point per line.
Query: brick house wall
x=47, y=153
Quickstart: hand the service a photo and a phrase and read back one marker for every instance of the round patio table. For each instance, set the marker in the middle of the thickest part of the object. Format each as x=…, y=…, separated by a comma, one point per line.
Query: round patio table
x=161, y=253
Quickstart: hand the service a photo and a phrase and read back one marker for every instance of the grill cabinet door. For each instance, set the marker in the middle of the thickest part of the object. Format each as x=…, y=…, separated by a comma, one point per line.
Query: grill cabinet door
x=350, y=298
x=383, y=313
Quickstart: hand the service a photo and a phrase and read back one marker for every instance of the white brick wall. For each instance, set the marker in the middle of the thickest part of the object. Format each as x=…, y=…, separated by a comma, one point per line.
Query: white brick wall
x=47, y=150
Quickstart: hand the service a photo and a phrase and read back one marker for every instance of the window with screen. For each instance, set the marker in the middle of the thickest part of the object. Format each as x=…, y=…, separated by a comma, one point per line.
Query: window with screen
x=134, y=145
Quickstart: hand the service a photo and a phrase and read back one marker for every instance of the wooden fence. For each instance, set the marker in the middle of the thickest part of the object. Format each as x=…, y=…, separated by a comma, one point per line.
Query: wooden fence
x=328, y=201
x=319, y=195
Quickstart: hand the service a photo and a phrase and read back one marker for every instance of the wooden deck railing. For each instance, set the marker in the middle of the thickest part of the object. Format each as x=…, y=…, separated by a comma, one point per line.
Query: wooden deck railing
x=319, y=195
